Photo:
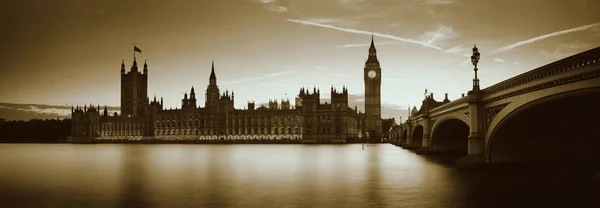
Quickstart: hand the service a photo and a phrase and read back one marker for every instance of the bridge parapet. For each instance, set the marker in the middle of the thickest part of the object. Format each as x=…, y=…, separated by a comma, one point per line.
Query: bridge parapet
x=450, y=105
x=417, y=117
x=590, y=57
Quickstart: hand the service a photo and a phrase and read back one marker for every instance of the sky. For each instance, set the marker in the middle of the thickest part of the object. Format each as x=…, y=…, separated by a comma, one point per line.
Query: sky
x=62, y=52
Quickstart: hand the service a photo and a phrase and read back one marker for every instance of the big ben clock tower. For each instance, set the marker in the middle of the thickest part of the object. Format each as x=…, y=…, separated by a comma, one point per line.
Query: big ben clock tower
x=372, y=74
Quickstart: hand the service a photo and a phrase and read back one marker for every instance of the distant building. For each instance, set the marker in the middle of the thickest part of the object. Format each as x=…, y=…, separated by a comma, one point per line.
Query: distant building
x=386, y=125
x=334, y=121
x=429, y=103
x=141, y=118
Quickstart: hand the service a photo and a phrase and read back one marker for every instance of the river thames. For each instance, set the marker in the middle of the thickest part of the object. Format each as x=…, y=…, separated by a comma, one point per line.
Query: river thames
x=381, y=175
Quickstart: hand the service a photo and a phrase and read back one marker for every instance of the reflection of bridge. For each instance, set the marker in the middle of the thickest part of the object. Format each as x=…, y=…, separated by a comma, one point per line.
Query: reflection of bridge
x=546, y=114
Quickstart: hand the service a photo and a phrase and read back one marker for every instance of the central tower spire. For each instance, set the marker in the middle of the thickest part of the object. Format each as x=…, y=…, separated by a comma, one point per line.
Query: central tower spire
x=212, y=91
x=213, y=77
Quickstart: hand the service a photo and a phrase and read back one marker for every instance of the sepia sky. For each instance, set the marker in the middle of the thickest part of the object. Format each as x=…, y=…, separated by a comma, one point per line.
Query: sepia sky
x=67, y=52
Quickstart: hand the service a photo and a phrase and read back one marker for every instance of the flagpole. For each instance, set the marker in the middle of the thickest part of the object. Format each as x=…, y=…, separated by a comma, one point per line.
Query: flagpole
x=134, y=51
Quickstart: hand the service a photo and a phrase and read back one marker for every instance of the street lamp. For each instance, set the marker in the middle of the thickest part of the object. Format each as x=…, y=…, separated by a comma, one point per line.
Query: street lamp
x=475, y=59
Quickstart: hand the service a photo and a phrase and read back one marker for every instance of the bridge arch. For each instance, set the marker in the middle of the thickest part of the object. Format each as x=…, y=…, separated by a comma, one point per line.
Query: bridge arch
x=458, y=118
x=450, y=134
x=416, y=139
x=549, y=127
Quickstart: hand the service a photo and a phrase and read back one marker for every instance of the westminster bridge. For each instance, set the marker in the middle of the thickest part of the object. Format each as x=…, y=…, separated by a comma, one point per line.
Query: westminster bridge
x=547, y=115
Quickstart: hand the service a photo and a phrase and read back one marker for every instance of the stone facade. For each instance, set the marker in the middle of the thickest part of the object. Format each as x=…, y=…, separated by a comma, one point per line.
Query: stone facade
x=308, y=121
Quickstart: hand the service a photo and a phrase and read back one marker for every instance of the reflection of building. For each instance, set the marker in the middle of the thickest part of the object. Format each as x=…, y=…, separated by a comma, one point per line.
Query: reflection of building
x=140, y=118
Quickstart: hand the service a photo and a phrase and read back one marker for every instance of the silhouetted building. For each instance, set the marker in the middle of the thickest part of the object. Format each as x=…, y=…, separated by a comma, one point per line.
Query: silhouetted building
x=386, y=126
x=334, y=121
x=85, y=122
x=429, y=103
x=134, y=90
x=140, y=118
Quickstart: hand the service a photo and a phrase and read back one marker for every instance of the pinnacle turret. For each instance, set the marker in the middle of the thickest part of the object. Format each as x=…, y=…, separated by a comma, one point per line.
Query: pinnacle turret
x=213, y=77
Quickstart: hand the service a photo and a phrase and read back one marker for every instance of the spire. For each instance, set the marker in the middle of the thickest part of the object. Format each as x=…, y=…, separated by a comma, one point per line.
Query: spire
x=372, y=50
x=134, y=68
x=213, y=77
x=122, y=66
x=145, y=67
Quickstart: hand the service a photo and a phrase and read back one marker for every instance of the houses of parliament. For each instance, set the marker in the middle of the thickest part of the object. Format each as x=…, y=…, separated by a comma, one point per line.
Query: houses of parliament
x=308, y=121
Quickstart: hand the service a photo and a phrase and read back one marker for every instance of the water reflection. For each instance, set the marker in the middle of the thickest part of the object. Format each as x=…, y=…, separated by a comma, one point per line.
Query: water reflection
x=266, y=176
x=374, y=178
x=133, y=172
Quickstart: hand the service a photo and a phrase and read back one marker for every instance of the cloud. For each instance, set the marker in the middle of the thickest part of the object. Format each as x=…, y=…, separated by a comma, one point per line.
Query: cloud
x=439, y=1
x=456, y=50
x=252, y=79
x=16, y=111
x=441, y=34
x=323, y=67
x=278, y=85
x=354, y=4
x=542, y=37
x=575, y=45
x=517, y=63
x=349, y=22
x=363, y=32
x=553, y=54
x=363, y=45
x=340, y=75
x=556, y=54
x=499, y=60
x=322, y=20
x=273, y=5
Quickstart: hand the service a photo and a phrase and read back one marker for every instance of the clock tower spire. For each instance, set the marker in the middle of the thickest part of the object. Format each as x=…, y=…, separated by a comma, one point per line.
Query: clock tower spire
x=372, y=50
x=372, y=78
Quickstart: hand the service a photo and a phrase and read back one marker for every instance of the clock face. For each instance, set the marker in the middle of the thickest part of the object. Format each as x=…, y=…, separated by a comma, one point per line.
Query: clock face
x=372, y=74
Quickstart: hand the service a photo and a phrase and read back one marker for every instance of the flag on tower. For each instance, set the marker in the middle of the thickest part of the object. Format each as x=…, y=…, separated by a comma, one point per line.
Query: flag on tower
x=136, y=49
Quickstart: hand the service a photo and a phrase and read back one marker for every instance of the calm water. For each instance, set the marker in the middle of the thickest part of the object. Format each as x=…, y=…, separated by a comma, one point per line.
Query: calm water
x=113, y=175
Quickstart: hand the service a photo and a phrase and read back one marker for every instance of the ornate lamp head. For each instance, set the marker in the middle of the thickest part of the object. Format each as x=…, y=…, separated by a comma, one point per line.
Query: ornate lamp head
x=475, y=57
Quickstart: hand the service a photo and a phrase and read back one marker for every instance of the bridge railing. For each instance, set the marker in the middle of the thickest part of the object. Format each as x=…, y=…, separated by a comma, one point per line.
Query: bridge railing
x=590, y=57
x=451, y=104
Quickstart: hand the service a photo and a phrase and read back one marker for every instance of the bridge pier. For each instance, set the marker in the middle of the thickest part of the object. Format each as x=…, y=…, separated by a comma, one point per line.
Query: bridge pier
x=408, y=140
x=425, y=148
x=476, y=149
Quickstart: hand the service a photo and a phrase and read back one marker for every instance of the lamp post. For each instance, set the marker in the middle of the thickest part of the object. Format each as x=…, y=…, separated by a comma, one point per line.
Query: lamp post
x=475, y=59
